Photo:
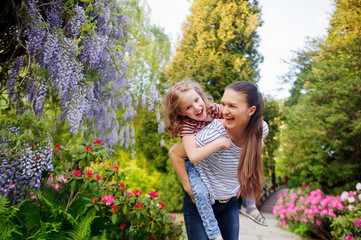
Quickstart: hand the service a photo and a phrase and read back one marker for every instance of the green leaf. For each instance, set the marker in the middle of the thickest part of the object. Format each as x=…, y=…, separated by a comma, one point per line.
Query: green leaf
x=114, y=218
x=125, y=209
x=73, y=185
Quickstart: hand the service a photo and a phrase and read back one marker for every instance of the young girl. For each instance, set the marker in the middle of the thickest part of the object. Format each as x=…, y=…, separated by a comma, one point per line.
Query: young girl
x=187, y=110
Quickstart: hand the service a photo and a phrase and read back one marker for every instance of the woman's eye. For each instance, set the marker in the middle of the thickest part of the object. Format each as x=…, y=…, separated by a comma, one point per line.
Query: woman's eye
x=197, y=99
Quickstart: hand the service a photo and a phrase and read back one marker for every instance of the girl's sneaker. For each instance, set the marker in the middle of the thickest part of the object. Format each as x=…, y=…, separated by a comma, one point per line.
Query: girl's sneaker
x=253, y=213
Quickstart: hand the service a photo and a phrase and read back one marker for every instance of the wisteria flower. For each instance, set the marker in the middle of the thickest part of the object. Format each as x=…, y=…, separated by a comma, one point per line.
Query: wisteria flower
x=108, y=199
x=98, y=142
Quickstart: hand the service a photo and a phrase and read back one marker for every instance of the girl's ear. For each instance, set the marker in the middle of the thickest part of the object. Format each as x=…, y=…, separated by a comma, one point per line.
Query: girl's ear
x=252, y=110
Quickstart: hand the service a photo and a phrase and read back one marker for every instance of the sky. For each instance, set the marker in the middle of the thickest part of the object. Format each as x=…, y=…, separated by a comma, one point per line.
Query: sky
x=286, y=26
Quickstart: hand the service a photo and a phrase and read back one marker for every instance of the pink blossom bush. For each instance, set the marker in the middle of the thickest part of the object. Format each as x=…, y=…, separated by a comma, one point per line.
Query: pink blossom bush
x=319, y=212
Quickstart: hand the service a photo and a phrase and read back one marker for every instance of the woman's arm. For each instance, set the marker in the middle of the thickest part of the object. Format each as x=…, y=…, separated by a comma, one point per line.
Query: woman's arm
x=196, y=154
x=177, y=155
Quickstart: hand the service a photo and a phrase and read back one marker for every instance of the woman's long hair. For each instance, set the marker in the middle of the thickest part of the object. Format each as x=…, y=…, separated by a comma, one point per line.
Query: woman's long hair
x=250, y=162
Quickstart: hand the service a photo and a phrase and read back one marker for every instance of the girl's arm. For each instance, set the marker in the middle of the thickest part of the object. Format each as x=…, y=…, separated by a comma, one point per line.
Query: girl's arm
x=177, y=155
x=196, y=154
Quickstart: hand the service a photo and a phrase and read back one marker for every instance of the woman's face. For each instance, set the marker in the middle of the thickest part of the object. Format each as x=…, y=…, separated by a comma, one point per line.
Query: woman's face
x=192, y=105
x=235, y=109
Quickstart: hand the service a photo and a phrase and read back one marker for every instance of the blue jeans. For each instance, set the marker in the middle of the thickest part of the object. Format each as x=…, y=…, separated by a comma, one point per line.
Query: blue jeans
x=225, y=213
x=203, y=202
x=248, y=203
x=200, y=220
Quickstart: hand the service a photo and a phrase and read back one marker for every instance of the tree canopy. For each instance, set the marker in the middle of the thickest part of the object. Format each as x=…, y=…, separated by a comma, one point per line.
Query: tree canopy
x=322, y=136
x=219, y=45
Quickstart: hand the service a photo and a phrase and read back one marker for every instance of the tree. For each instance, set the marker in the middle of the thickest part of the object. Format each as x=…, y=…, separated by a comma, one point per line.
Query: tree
x=322, y=135
x=219, y=45
x=273, y=116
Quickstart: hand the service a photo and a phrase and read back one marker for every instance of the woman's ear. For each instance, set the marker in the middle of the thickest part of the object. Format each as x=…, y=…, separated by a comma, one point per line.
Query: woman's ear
x=252, y=110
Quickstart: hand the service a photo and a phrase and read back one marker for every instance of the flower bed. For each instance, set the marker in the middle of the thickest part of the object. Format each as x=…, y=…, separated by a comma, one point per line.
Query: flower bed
x=312, y=213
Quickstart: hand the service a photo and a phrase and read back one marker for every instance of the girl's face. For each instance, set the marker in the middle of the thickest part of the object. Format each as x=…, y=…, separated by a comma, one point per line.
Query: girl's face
x=235, y=109
x=192, y=105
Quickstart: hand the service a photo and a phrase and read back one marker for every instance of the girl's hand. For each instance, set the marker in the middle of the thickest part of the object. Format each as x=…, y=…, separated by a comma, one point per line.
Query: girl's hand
x=224, y=142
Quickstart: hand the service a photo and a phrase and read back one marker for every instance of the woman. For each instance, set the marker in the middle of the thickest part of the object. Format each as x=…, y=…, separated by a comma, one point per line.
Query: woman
x=227, y=173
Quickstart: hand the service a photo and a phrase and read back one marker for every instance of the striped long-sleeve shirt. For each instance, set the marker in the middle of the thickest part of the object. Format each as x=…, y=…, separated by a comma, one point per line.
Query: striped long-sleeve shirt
x=219, y=170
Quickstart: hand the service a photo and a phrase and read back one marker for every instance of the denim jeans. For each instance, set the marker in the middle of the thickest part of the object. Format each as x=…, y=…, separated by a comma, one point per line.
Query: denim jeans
x=225, y=213
x=246, y=203
x=203, y=202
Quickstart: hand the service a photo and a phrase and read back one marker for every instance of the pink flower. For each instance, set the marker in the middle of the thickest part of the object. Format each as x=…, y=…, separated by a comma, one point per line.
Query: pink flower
x=304, y=219
x=161, y=205
x=299, y=191
x=88, y=149
x=57, y=147
x=108, y=199
x=121, y=186
x=358, y=222
x=344, y=196
x=77, y=173
x=122, y=226
x=283, y=223
x=88, y=175
x=318, y=222
x=349, y=237
x=98, y=177
x=137, y=193
x=303, y=184
x=358, y=186
x=173, y=217
x=115, y=168
x=98, y=142
x=138, y=206
x=350, y=207
x=153, y=194
x=114, y=208
x=130, y=193
x=95, y=201
x=12, y=186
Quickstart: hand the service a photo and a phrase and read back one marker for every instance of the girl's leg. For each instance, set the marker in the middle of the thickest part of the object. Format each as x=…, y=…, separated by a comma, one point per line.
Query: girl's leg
x=228, y=218
x=192, y=220
x=250, y=210
x=203, y=203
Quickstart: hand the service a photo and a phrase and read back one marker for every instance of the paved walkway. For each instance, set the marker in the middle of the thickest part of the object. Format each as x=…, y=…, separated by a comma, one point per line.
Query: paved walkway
x=249, y=230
